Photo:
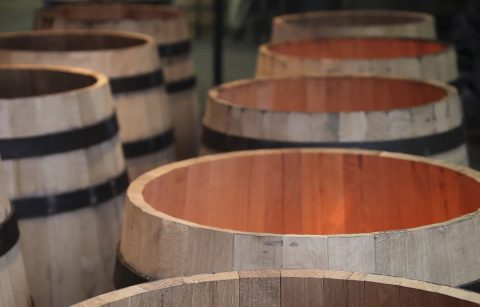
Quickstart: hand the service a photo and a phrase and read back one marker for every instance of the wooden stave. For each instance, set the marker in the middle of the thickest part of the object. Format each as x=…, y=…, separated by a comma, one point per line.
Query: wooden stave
x=46, y=183
x=289, y=27
x=151, y=104
x=13, y=279
x=259, y=123
x=243, y=250
x=176, y=67
x=286, y=288
x=270, y=64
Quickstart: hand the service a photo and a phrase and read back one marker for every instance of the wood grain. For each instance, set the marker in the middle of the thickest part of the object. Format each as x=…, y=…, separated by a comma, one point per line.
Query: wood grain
x=168, y=25
x=356, y=23
x=142, y=114
x=356, y=210
x=289, y=288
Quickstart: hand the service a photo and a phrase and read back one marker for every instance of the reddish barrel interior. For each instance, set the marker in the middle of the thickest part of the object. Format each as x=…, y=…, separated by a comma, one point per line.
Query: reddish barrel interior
x=358, y=48
x=335, y=94
x=313, y=193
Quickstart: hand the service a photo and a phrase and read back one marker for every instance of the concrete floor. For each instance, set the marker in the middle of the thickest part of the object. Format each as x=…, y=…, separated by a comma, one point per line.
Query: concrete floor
x=239, y=57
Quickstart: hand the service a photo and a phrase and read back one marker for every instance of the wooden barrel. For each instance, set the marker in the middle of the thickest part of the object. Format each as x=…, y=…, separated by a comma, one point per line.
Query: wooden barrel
x=65, y=175
x=405, y=57
x=13, y=280
x=169, y=27
x=352, y=23
x=374, y=212
x=288, y=288
x=136, y=80
x=383, y=113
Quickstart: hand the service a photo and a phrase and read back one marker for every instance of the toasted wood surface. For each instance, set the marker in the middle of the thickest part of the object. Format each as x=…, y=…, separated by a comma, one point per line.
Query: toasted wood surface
x=288, y=288
x=168, y=25
x=142, y=114
x=68, y=256
x=404, y=57
x=335, y=109
x=355, y=210
x=354, y=23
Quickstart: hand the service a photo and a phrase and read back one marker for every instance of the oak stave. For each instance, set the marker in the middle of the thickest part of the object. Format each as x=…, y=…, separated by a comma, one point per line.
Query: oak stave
x=352, y=23
x=169, y=26
x=136, y=80
x=402, y=57
x=359, y=111
x=286, y=288
x=352, y=210
x=14, y=289
x=67, y=188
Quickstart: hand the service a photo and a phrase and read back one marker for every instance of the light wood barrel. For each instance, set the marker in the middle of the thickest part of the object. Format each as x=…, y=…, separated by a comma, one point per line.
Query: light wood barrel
x=383, y=113
x=169, y=27
x=13, y=280
x=374, y=212
x=354, y=23
x=286, y=288
x=65, y=175
x=136, y=81
x=404, y=57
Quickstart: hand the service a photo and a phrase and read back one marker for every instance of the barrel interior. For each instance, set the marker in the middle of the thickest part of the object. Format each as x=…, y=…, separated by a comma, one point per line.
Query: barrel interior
x=20, y=83
x=352, y=19
x=68, y=41
x=110, y=11
x=358, y=48
x=332, y=94
x=301, y=192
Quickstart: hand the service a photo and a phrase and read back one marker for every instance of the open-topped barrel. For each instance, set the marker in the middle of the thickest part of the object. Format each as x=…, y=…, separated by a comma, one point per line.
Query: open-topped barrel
x=136, y=80
x=65, y=175
x=403, y=57
x=352, y=210
x=352, y=23
x=169, y=26
x=382, y=113
x=286, y=288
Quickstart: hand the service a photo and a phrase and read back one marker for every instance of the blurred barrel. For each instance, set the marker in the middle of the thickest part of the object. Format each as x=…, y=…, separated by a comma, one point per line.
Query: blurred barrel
x=169, y=27
x=13, y=280
x=405, y=57
x=287, y=288
x=65, y=175
x=136, y=80
x=352, y=210
x=354, y=23
x=383, y=113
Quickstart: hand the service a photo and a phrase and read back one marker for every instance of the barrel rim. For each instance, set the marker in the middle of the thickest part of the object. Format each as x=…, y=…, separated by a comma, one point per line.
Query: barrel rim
x=143, y=39
x=417, y=17
x=144, y=288
x=101, y=80
x=265, y=49
x=136, y=188
x=59, y=10
x=213, y=93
